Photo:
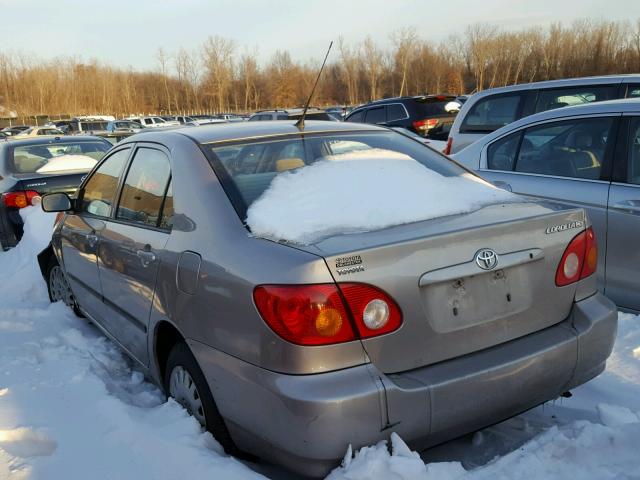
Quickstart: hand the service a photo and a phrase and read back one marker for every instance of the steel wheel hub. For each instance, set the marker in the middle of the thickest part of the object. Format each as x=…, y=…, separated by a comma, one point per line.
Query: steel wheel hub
x=183, y=389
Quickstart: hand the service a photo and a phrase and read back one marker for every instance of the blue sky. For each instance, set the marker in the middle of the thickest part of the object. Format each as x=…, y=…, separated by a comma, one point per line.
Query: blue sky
x=128, y=33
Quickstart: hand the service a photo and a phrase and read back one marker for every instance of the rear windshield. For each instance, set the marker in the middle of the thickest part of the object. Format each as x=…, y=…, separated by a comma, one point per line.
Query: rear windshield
x=433, y=106
x=34, y=158
x=247, y=169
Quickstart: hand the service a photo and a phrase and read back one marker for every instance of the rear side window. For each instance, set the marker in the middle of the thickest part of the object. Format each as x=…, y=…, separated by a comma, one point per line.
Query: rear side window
x=282, y=116
x=375, y=115
x=565, y=97
x=491, y=113
x=144, y=188
x=395, y=111
x=633, y=91
x=357, y=117
x=571, y=148
x=633, y=164
x=98, y=194
x=501, y=155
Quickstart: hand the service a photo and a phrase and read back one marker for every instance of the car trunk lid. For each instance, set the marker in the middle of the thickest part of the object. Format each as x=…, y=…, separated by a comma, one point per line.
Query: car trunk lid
x=450, y=305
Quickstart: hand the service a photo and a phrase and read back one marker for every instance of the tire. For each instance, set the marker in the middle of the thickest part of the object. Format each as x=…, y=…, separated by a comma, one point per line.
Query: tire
x=58, y=286
x=209, y=417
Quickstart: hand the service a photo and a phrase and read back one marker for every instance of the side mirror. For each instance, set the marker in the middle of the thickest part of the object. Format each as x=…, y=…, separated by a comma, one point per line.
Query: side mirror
x=56, y=202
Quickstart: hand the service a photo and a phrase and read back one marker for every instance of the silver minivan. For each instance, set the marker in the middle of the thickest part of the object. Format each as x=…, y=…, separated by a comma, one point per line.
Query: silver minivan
x=492, y=109
x=586, y=156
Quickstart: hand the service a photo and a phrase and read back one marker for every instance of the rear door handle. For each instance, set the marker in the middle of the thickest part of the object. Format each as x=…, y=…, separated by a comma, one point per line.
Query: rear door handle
x=630, y=206
x=146, y=257
x=503, y=185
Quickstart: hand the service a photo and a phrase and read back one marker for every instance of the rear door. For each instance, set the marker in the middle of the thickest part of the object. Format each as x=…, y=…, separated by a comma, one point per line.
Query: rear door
x=567, y=161
x=81, y=230
x=623, y=254
x=130, y=247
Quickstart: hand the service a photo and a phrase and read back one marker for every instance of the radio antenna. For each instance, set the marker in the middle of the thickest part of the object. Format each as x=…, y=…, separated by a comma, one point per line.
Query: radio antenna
x=300, y=122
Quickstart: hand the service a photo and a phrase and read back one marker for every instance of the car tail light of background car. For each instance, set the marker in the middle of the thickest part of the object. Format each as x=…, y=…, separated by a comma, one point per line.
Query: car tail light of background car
x=579, y=260
x=324, y=314
x=447, y=149
x=426, y=124
x=19, y=199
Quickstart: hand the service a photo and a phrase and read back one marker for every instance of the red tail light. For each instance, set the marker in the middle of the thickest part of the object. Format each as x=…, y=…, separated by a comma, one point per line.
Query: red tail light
x=19, y=199
x=579, y=260
x=325, y=314
x=447, y=149
x=424, y=125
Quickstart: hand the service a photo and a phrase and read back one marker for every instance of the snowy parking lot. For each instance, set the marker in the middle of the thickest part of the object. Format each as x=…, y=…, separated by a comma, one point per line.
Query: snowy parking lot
x=73, y=407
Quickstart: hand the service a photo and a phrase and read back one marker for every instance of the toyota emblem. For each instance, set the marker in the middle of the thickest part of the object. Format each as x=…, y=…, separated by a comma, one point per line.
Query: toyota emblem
x=486, y=259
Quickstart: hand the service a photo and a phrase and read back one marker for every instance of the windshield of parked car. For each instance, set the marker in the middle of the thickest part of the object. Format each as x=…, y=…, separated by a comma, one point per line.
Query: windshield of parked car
x=48, y=157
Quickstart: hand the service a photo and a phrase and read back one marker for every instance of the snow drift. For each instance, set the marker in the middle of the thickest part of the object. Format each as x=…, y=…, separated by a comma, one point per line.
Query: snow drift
x=362, y=191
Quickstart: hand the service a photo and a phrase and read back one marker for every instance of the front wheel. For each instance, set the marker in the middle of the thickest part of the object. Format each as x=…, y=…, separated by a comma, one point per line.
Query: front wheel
x=58, y=286
x=186, y=384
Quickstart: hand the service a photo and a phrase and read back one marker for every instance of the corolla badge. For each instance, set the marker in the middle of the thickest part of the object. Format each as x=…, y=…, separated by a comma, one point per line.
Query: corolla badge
x=486, y=259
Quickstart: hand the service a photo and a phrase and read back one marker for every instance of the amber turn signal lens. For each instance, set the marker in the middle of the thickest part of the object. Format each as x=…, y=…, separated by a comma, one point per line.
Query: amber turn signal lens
x=328, y=322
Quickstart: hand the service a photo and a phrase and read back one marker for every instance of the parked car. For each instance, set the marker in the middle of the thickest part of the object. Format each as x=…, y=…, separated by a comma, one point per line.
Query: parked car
x=154, y=122
x=181, y=119
x=290, y=114
x=38, y=131
x=229, y=117
x=428, y=115
x=123, y=126
x=587, y=156
x=32, y=167
x=15, y=130
x=491, y=109
x=84, y=124
x=294, y=352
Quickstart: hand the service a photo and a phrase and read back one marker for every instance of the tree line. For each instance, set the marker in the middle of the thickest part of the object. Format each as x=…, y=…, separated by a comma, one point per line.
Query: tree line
x=222, y=75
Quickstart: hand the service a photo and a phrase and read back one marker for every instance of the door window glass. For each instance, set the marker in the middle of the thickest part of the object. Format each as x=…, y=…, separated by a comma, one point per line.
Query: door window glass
x=571, y=148
x=395, y=111
x=99, y=192
x=166, y=219
x=633, y=164
x=501, y=155
x=491, y=113
x=564, y=97
x=356, y=117
x=633, y=91
x=375, y=115
x=144, y=187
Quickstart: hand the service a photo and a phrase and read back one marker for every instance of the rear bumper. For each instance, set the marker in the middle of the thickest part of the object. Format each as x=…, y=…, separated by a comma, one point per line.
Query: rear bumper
x=306, y=422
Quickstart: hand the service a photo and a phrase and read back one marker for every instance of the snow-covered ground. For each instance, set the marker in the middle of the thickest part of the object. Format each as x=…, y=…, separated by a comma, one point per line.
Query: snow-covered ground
x=72, y=407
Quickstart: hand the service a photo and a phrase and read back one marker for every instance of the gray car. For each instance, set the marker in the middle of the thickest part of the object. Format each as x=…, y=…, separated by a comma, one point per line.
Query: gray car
x=586, y=156
x=492, y=109
x=293, y=352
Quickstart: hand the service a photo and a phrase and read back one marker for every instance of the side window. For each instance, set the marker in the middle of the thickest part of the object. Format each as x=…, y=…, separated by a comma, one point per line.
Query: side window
x=395, y=111
x=491, y=113
x=98, y=194
x=144, y=187
x=571, y=148
x=282, y=117
x=375, y=115
x=633, y=91
x=357, y=117
x=633, y=163
x=501, y=155
x=564, y=97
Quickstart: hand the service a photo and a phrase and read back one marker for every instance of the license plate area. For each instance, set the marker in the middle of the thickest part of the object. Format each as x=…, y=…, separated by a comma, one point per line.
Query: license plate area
x=477, y=299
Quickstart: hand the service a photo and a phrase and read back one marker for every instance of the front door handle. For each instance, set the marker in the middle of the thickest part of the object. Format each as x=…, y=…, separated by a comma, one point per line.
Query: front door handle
x=146, y=257
x=630, y=206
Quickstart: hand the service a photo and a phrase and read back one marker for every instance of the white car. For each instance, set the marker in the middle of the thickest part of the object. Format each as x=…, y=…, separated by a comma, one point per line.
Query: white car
x=37, y=131
x=153, y=121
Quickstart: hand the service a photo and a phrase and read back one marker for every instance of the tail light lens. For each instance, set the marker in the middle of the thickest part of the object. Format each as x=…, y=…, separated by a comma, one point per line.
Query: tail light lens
x=447, y=149
x=325, y=314
x=579, y=260
x=19, y=199
x=424, y=125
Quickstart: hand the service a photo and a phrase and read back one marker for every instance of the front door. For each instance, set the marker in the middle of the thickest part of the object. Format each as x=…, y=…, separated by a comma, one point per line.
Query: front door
x=130, y=248
x=623, y=251
x=563, y=161
x=81, y=231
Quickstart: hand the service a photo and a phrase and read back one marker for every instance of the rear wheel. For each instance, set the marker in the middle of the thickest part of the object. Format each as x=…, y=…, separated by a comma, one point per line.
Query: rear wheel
x=58, y=286
x=185, y=383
